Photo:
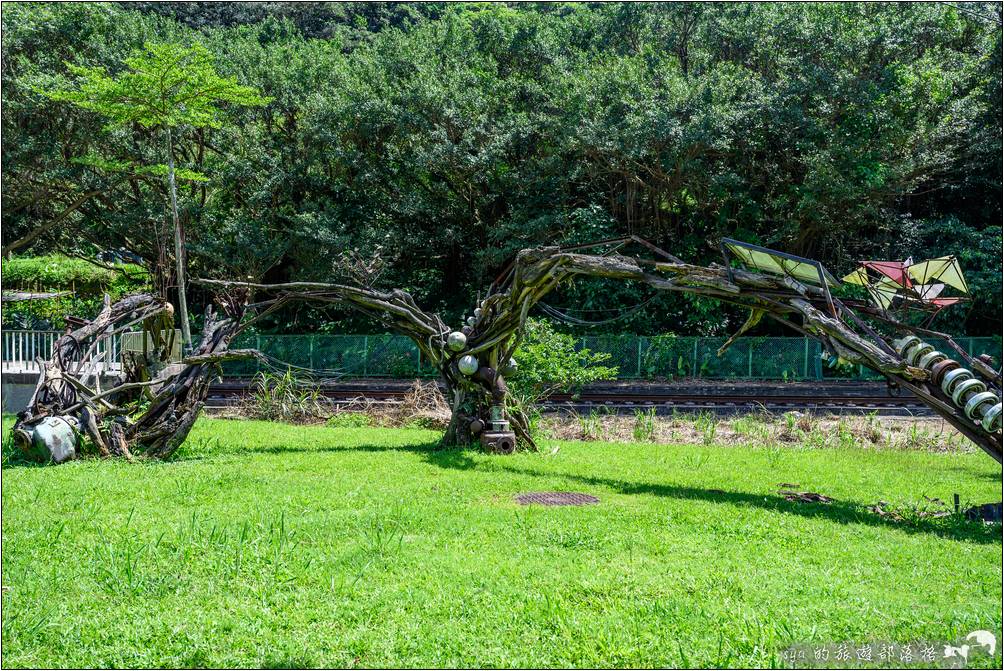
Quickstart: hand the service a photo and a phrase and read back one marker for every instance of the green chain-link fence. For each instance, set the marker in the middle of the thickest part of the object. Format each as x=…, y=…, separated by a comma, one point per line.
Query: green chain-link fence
x=636, y=357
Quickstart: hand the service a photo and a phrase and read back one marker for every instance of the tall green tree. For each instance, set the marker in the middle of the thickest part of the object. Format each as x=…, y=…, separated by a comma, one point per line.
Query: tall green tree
x=452, y=135
x=167, y=87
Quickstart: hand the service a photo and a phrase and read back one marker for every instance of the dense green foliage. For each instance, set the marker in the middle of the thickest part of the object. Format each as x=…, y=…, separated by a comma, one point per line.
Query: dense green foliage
x=453, y=135
x=548, y=360
x=163, y=85
x=87, y=283
x=269, y=545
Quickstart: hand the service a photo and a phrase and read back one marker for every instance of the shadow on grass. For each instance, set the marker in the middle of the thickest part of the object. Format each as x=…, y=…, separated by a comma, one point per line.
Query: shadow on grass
x=198, y=454
x=840, y=512
x=954, y=527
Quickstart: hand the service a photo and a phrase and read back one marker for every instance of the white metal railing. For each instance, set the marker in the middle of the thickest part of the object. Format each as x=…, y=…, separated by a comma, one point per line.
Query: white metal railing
x=21, y=348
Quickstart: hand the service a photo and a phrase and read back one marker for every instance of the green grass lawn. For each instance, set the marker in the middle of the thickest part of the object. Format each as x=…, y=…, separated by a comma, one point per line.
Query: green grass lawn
x=273, y=545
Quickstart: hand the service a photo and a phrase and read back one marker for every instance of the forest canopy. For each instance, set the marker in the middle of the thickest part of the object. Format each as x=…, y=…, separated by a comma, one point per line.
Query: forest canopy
x=435, y=140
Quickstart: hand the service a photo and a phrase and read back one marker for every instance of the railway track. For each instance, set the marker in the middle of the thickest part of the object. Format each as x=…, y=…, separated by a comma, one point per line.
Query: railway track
x=823, y=398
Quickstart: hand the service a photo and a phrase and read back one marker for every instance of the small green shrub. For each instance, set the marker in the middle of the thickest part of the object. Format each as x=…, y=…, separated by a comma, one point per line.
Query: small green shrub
x=644, y=425
x=591, y=426
x=707, y=425
x=283, y=398
x=349, y=420
x=547, y=361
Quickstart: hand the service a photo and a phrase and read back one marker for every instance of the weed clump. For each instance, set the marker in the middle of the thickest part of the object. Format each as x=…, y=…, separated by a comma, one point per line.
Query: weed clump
x=284, y=398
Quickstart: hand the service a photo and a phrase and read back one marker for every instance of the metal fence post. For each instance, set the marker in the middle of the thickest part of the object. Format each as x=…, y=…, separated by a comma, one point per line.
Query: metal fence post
x=310, y=355
x=693, y=370
x=257, y=346
x=749, y=358
x=638, y=370
x=805, y=359
x=366, y=355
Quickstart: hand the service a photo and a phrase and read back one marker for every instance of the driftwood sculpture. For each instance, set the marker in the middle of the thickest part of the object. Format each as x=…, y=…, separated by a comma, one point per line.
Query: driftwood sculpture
x=149, y=413
x=152, y=411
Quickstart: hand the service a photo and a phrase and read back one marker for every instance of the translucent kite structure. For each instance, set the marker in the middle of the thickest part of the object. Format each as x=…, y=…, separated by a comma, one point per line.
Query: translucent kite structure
x=797, y=269
x=908, y=285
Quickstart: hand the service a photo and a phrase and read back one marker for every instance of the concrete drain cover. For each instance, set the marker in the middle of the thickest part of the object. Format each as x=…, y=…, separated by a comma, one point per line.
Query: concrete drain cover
x=556, y=499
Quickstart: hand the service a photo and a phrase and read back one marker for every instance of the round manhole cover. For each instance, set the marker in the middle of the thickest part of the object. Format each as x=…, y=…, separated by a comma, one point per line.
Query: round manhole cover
x=556, y=499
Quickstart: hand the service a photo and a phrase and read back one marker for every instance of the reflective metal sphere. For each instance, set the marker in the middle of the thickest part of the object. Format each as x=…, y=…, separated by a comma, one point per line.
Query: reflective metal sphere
x=468, y=364
x=510, y=367
x=456, y=341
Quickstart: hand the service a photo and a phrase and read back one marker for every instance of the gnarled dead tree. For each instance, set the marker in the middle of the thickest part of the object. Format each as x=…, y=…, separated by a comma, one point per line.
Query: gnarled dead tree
x=152, y=407
x=473, y=358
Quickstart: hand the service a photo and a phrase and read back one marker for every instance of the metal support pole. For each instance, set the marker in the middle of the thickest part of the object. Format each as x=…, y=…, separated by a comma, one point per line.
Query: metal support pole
x=805, y=360
x=638, y=373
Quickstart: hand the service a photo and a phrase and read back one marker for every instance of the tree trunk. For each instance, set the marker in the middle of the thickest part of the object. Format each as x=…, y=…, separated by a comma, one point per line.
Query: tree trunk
x=179, y=248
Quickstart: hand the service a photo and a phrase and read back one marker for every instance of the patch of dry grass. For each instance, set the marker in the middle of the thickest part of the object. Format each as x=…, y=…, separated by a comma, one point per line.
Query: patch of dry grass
x=424, y=406
x=761, y=429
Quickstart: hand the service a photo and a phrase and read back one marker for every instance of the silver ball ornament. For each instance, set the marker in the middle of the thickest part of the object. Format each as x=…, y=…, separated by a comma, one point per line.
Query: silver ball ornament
x=468, y=364
x=456, y=341
x=509, y=368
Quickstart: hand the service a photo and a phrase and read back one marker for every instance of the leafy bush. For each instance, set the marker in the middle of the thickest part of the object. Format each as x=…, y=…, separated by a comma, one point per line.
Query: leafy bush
x=546, y=361
x=87, y=282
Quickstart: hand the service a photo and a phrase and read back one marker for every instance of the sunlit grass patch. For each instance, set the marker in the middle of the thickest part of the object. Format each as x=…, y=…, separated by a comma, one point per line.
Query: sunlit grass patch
x=266, y=544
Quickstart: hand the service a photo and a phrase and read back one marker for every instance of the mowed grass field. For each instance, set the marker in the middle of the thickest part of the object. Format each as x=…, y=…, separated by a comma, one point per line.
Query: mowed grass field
x=273, y=545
